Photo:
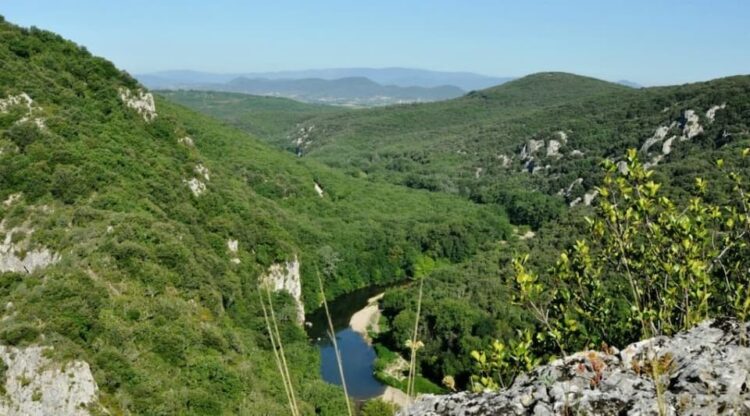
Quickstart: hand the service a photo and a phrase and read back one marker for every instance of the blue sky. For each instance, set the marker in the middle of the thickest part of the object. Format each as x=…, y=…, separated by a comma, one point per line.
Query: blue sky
x=651, y=42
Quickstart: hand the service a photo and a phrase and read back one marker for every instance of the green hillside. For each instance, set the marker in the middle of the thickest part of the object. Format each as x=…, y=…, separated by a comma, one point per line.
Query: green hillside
x=482, y=147
x=474, y=145
x=268, y=117
x=131, y=211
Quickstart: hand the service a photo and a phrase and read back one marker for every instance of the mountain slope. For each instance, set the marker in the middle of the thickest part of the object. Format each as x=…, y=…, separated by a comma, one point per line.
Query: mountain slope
x=267, y=117
x=136, y=233
x=546, y=132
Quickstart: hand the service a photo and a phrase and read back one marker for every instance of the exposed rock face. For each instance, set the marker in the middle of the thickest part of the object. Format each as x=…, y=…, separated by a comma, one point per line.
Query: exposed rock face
x=16, y=255
x=233, y=246
x=286, y=276
x=589, y=197
x=318, y=189
x=36, y=386
x=504, y=160
x=706, y=371
x=196, y=186
x=301, y=138
x=202, y=171
x=553, y=149
x=23, y=100
x=530, y=148
x=658, y=136
x=711, y=113
x=690, y=125
x=140, y=101
x=186, y=141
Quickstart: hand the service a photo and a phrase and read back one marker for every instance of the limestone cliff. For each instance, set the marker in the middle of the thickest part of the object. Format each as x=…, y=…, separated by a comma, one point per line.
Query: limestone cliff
x=706, y=372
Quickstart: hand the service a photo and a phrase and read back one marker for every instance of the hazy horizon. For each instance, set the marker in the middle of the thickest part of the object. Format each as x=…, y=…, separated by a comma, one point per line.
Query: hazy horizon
x=669, y=42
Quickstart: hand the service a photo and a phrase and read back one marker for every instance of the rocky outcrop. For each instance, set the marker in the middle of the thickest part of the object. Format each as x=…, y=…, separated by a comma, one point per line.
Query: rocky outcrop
x=705, y=371
x=34, y=385
x=31, y=109
x=689, y=123
x=286, y=277
x=186, y=141
x=530, y=148
x=505, y=161
x=202, y=171
x=233, y=246
x=17, y=253
x=140, y=101
x=301, y=138
x=196, y=186
x=711, y=112
x=318, y=189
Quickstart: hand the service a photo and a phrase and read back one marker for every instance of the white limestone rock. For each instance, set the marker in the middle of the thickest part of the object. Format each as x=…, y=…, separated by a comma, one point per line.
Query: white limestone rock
x=589, y=197
x=19, y=256
x=233, y=246
x=505, y=161
x=709, y=371
x=576, y=153
x=318, y=189
x=478, y=172
x=530, y=148
x=286, y=277
x=711, y=113
x=553, y=149
x=186, y=141
x=567, y=191
x=197, y=187
x=12, y=199
x=689, y=123
x=11, y=101
x=140, y=101
x=202, y=171
x=659, y=135
x=562, y=136
x=32, y=110
x=36, y=386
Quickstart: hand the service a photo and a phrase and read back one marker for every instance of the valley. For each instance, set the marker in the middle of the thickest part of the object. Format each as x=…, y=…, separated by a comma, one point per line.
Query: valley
x=181, y=250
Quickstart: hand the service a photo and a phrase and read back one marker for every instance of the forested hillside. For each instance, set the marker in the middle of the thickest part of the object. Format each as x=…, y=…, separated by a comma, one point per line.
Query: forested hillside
x=534, y=147
x=136, y=232
x=546, y=132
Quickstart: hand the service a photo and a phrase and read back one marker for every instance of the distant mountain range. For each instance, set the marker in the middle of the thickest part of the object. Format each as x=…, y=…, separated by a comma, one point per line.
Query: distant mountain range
x=402, y=77
x=340, y=86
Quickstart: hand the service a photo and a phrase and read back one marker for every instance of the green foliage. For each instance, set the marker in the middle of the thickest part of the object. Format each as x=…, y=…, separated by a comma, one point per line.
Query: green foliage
x=377, y=407
x=146, y=290
x=651, y=267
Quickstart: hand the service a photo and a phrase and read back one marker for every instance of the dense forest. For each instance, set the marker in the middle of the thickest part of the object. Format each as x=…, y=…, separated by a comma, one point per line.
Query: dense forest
x=480, y=147
x=153, y=220
x=139, y=204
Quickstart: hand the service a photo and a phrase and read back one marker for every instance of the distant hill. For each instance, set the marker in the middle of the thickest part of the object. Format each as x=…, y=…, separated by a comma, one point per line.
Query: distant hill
x=545, y=131
x=353, y=91
x=629, y=83
x=402, y=77
x=137, y=233
x=343, y=91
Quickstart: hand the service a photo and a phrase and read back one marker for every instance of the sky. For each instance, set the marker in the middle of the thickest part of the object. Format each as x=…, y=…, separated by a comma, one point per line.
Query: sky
x=651, y=42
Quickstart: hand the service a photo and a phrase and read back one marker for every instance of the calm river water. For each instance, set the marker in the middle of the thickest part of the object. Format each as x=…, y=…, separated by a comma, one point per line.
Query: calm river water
x=356, y=354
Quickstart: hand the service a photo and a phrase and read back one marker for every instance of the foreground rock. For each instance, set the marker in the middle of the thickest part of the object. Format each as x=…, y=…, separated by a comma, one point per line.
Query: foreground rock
x=34, y=385
x=705, y=371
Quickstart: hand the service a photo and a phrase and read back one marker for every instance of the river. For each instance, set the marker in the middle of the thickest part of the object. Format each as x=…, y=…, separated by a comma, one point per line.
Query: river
x=357, y=354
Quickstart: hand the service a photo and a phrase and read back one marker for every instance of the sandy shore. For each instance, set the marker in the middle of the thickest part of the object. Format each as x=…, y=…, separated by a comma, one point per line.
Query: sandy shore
x=396, y=396
x=367, y=317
